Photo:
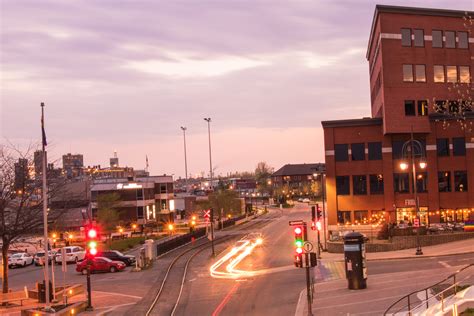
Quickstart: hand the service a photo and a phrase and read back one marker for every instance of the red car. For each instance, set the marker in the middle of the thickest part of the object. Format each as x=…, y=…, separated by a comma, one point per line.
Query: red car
x=100, y=264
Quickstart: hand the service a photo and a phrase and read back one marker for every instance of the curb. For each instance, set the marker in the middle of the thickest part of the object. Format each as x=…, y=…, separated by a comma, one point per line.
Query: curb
x=412, y=257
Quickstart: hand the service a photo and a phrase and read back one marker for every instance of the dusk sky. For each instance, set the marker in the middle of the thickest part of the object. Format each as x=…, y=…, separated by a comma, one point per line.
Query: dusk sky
x=125, y=75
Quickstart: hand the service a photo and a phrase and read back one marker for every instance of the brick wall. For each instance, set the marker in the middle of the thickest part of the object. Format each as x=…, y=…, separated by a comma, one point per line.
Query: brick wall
x=405, y=242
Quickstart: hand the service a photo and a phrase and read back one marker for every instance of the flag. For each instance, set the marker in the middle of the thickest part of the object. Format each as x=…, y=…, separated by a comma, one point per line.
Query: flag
x=147, y=161
x=42, y=126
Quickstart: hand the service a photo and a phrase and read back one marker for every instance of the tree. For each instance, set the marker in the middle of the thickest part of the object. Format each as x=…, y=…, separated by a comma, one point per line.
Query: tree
x=21, y=202
x=263, y=173
x=107, y=212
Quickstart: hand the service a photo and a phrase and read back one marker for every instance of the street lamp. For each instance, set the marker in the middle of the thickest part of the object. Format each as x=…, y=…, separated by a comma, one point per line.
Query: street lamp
x=408, y=148
x=185, y=159
x=208, y=120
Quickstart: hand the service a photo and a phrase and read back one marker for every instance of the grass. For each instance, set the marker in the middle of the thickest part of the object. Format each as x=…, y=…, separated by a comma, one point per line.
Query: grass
x=468, y=312
x=128, y=243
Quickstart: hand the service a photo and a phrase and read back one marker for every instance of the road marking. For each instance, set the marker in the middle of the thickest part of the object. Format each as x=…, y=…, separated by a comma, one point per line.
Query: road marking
x=444, y=264
x=301, y=303
x=226, y=299
x=111, y=308
x=112, y=293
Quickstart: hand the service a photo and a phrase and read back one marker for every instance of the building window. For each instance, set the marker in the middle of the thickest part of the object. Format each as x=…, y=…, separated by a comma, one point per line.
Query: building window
x=410, y=108
x=344, y=217
x=460, y=181
x=419, y=40
x=400, y=182
x=375, y=151
x=163, y=205
x=422, y=182
x=359, y=185
x=464, y=74
x=420, y=71
x=397, y=146
x=442, y=147
x=406, y=37
x=444, y=181
x=342, y=185
x=437, y=38
x=361, y=217
x=459, y=146
x=440, y=106
x=163, y=188
x=376, y=184
x=139, y=211
x=341, y=152
x=438, y=73
x=408, y=73
x=139, y=194
x=453, y=106
x=357, y=151
x=463, y=40
x=422, y=107
x=452, y=74
x=450, y=39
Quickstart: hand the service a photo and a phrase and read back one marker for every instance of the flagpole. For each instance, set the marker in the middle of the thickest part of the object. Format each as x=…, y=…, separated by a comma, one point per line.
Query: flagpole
x=45, y=214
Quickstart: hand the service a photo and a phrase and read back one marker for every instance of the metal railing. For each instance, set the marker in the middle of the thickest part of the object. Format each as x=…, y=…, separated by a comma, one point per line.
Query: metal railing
x=412, y=302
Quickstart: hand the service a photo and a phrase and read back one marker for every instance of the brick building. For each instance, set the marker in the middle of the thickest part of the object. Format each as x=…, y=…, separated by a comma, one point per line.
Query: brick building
x=416, y=57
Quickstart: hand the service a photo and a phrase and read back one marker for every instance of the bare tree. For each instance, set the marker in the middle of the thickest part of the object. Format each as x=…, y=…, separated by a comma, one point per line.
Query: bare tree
x=21, y=200
x=263, y=173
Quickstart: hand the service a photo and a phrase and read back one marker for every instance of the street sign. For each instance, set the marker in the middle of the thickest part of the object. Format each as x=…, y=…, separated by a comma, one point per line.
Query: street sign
x=207, y=213
x=296, y=223
x=307, y=246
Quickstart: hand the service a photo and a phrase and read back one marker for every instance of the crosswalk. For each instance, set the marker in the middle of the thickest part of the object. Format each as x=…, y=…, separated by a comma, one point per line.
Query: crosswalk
x=329, y=271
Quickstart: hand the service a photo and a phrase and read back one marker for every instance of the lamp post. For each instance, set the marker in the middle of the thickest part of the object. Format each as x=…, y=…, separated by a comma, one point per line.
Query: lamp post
x=323, y=198
x=208, y=120
x=185, y=158
x=410, y=145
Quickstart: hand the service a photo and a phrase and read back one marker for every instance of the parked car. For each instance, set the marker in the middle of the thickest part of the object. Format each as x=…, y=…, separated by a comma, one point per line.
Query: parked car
x=21, y=259
x=306, y=200
x=73, y=254
x=100, y=264
x=39, y=257
x=118, y=256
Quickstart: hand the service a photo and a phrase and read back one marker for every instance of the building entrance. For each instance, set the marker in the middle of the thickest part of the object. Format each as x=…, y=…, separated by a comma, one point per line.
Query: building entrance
x=406, y=215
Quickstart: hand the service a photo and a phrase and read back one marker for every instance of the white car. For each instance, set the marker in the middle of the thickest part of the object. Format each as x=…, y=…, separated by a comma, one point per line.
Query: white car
x=306, y=200
x=73, y=254
x=20, y=260
x=39, y=257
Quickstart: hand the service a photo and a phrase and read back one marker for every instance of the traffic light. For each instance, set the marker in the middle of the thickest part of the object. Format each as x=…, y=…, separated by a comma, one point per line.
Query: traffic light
x=313, y=213
x=313, y=260
x=318, y=225
x=299, y=240
x=92, y=237
x=318, y=212
x=298, y=260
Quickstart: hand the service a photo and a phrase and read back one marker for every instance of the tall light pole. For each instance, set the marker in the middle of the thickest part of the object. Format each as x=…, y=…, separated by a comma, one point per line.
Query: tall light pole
x=412, y=143
x=185, y=158
x=208, y=120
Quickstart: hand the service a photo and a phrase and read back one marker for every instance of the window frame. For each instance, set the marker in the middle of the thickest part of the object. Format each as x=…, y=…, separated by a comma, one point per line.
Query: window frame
x=405, y=66
x=468, y=74
x=442, y=175
x=397, y=178
x=423, y=108
x=434, y=73
x=459, y=151
x=375, y=184
x=422, y=37
x=374, y=153
x=347, y=180
x=424, y=73
x=447, y=74
x=355, y=145
x=342, y=214
x=356, y=186
x=444, y=142
x=445, y=35
x=459, y=39
x=408, y=103
x=440, y=38
x=457, y=173
x=406, y=44
x=345, y=155
x=422, y=182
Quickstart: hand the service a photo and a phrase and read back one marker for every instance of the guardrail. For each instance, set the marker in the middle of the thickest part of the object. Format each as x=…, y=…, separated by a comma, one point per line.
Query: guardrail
x=411, y=303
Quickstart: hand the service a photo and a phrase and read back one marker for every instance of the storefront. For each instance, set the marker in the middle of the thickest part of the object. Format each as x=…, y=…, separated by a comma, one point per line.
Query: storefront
x=406, y=215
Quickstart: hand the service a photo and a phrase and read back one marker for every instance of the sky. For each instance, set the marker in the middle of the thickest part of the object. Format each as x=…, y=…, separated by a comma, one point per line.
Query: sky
x=126, y=75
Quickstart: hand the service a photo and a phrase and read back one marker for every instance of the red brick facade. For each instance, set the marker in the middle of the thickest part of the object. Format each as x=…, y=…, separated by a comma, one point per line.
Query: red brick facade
x=396, y=111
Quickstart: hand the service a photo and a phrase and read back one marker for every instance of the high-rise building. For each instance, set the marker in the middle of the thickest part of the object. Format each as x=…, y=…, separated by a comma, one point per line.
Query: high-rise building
x=420, y=65
x=73, y=165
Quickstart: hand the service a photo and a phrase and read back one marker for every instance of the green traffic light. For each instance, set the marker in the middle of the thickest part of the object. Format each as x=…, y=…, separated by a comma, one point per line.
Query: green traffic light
x=299, y=243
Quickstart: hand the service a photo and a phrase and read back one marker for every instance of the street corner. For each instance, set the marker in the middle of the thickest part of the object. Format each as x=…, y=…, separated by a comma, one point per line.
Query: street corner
x=111, y=302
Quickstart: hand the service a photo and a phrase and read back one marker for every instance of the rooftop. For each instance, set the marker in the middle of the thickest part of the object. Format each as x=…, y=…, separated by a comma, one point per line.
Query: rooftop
x=299, y=169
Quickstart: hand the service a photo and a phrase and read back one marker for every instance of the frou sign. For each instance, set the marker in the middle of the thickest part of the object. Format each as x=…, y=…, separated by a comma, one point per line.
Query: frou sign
x=121, y=186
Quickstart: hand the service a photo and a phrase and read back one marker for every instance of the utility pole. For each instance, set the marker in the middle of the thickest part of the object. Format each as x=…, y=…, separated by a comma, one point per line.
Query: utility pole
x=208, y=120
x=185, y=159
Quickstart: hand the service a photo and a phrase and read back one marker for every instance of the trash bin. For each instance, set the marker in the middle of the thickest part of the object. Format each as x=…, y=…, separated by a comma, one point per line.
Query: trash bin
x=355, y=261
x=42, y=292
x=149, y=249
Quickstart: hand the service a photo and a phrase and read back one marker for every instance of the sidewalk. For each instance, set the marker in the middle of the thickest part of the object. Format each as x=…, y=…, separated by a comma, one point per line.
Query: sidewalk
x=452, y=248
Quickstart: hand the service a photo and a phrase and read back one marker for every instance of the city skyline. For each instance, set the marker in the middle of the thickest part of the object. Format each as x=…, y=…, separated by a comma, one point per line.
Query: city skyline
x=127, y=82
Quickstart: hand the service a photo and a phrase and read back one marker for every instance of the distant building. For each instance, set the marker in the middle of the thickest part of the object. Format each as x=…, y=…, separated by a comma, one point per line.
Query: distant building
x=73, y=165
x=38, y=159
x=297, y=177
x=141, y=200
x=21, y=174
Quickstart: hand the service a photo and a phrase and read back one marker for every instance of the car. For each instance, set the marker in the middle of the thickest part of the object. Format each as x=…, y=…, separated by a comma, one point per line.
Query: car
x=39, y=257
x=306, y=200
x=300, y=200
x=73, y=254
x=100, y=264
x=115, y=255
x=21, y=259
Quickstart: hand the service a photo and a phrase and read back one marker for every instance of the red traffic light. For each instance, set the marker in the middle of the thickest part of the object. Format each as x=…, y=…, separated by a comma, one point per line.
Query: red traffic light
x=298, y=230
x=313, y=226
x=93, y=251
x=318, y=225
x=92, y=233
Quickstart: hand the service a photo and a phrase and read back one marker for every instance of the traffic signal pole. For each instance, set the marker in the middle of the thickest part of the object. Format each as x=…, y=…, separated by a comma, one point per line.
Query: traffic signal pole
x=89, y=290
x=212, y=232
x=308, y=284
